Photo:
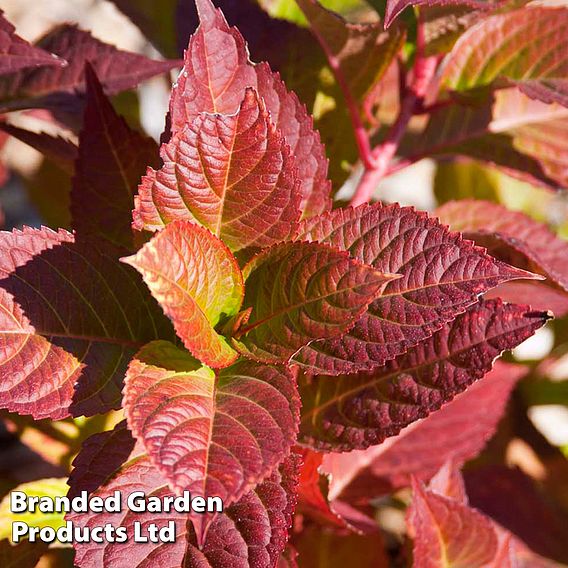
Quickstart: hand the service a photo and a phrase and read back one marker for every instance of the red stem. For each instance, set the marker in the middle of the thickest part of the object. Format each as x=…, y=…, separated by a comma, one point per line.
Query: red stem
x=361, y=134
x=423, y=71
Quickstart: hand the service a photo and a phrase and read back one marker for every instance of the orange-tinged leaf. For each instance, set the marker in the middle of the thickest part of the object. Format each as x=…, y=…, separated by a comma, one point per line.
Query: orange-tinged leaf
x=300, y=292
x=448, y=533
x=197, y=281
x=210, y=436
x=214, y=78
x=233, y=174
x=526, y=46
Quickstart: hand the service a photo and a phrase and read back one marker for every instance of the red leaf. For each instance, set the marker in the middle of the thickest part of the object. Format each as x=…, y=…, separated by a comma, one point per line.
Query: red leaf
x=299, y=292
x=112, y=158
x=525, y=46
x=68, y=323
x=198, y=285
x=219, y=54
x=510, y=234
x=313, y=489
x=251, y=532
x=16, y=53
x=536, y=294
x=212, y=437
x=357, y=411
x=442, y=274
x=234, y=174
x=117, y=70
x=449, y=482
x=446, y=532
x=459, y=430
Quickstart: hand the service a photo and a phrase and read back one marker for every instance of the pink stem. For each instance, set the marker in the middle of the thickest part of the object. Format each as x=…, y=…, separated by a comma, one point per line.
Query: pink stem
x=423, y=71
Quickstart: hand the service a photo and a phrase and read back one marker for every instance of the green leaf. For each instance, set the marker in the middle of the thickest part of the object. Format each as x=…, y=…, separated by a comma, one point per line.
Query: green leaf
x=197, y=281
x=54, y=487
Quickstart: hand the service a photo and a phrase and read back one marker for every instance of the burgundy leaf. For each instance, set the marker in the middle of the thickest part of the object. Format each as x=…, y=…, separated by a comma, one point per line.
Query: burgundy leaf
x=219, y=54
x=251, y=532
x=73, y=316
x=459, y=430
x=117, y=70
x=513, y=500
x=112, y=159
x=299, y=292
x=510, y=234
x=60, y=150
x=16, y=53
x=197, y=281
x=210, y=436
x=357, y=411
x=234, y=174
x=525, y=46
x=442, y=274
x=448, y=532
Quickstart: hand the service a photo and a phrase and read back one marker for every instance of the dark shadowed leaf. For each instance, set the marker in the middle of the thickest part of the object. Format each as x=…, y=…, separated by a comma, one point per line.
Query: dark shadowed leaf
x=299, y=292
x=59, y=150
x=16, y=53
x=251, y=532
x=24, y=555
x=234, y=174
x=112, y=159
x=218, y=53
x=446, y=532
x=357, y=411
x=117, y=70
x=198, y=285
x=459, y=430
x=210, y=436
x=442, y=274
x=71, y=314
x=513, y=500
x=525, y=46
x=319, y=547
x=510, y=235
